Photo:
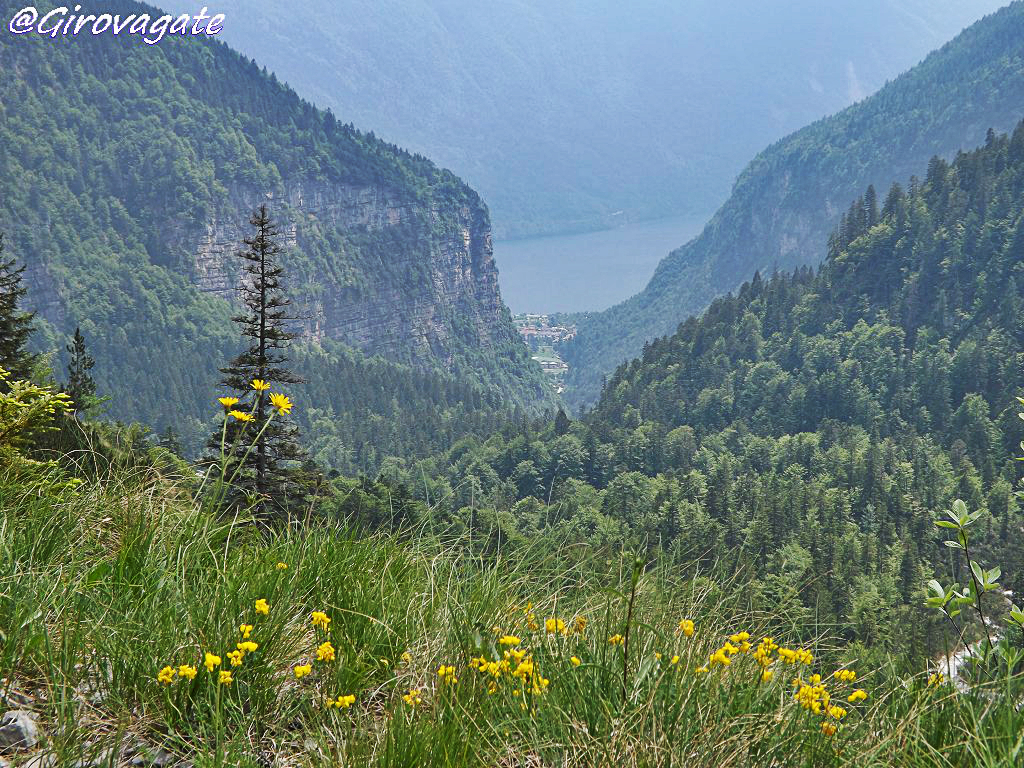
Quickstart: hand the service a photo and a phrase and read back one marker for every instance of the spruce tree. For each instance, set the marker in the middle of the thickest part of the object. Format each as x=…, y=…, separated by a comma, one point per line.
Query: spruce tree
x=81, y=386
x=268, y=470
x=15, y=324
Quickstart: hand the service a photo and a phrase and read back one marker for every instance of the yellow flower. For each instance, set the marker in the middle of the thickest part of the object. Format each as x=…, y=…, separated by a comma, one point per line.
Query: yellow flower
x=575, y=661
x=325, y=652
x=166, y=675
x=246, y=630
x=239, y=416
x=282, y=566
x=228, y=402
x=845, y=675
x=235, y=657
x=580, y=625
x=281, y=402
x=675, y=660
x=616, y=640
x=247, y=647
x=767, y=675
x=555, y=627
x=211, y=661
x=701, y=670
x=320, y=619
x=260, y=385
x=344, y=702
x=406, y=658
x=412, y=698
x=837, y=712
x=262, y=606
x=936, y=679
x=447, y=675
x=686, y=627
x=225, y=677
x=858, y=695
x=509, y=640
x=829, y=729
x=186, y=671
x=302, y=670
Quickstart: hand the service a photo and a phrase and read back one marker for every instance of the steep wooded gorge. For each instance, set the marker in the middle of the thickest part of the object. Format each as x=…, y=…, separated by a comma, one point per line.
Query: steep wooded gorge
x=127, y=176
x=791, y=195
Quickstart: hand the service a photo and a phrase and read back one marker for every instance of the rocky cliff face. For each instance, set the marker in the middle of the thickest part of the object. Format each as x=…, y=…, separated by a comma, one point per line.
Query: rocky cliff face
x=391, y=275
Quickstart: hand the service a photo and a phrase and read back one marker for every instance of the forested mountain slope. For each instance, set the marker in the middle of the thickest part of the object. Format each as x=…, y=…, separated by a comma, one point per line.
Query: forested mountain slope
x=127, y=208
x=791, y=195
x=808, y=429
x=587, y=113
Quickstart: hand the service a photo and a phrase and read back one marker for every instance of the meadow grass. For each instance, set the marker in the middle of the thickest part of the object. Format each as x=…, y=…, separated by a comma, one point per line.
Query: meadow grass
x=104, y=585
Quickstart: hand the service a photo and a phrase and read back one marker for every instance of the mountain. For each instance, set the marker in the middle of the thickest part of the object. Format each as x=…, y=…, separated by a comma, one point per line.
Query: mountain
x=802, y=435
x=581, y=114
x=789, y=198
x=127, y=208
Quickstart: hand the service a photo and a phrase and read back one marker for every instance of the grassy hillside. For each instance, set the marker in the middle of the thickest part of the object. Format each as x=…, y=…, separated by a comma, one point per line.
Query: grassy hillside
x=122, y=600
x=790, y=197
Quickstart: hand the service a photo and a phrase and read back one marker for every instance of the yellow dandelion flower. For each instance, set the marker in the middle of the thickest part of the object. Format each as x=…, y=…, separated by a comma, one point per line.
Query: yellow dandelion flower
x=228, y=402
x=225, y=677
x=262, y=606
x=166, y=675
x=325, y=652
x=187, y=671
x=320, y=619
x=301, y=670
x=210, y=661
x=281, y=403
x=246, y=630
x=575, y=661
x=260, y=385
x=239, y=416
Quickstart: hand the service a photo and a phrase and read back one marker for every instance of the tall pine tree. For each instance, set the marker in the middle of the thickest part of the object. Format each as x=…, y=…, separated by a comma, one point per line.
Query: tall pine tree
x=15, y=324
x=81, y=386
x=268, y=472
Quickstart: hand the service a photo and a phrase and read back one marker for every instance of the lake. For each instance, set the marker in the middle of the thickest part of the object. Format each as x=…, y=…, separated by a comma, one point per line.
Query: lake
x=591, y=271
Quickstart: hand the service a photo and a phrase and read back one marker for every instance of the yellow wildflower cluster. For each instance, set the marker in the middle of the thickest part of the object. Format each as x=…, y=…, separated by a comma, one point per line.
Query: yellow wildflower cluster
x=555, y=627
x=325, y=651
x=515, y=664
x=686, y=626
x=796, y=656
x=412, y=698
x=211, y=661
x=320, y=620
x=342, y=702
x=447, y=674
x=815, y=697
x=616, y=640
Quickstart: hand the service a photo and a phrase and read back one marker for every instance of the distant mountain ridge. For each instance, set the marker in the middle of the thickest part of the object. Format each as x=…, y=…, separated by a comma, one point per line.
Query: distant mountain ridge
x=127, y=176
x=789, y=198
x=584, y=114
